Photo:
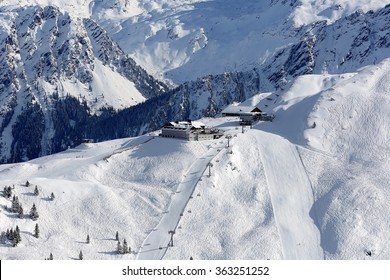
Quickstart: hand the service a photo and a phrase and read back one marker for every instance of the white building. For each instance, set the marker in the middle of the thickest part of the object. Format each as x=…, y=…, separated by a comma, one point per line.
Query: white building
x=192, y=131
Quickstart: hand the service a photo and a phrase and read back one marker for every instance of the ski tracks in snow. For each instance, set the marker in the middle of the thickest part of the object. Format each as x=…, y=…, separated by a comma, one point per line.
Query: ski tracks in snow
x=156, y=243
x=292, y=198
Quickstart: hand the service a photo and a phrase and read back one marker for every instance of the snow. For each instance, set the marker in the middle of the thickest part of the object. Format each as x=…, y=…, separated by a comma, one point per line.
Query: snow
x=292, y=198
x=312, y=184
x=282, y=190
x=176, y=40
x=116, y=90
x=93, y=189
x=108, y=89
x=159, y=236
x=310, y=11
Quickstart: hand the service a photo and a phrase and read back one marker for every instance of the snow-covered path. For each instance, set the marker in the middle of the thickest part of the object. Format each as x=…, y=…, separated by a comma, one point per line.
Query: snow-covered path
x=155, y=245
x=292, y=198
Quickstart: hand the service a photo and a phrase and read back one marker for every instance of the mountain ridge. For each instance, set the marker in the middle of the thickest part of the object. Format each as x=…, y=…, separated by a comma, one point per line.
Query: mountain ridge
x=49, y=56
x=76, y=75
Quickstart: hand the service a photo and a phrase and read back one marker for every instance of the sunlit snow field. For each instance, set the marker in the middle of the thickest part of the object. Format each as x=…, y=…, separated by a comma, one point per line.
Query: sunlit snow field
x=286, y=189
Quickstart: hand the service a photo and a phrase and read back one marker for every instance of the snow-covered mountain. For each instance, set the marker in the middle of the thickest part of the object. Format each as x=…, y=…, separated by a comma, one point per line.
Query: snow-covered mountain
x=64, y=61
x=48, y=57
x=312, y=184
x=285, y=189
x=344, y=46
x=176, y=40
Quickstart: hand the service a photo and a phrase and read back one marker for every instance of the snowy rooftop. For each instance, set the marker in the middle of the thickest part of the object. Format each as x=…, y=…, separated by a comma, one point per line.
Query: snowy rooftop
x=240, y=109
x=187, y=124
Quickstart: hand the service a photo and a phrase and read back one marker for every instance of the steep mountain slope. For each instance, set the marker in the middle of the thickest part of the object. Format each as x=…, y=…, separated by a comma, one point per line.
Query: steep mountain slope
x=348, y=44
x=176, y=40
x=342, y=46
x=48, y=56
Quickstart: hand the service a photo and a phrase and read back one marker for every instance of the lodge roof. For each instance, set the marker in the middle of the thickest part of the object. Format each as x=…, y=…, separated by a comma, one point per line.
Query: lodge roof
x=239, y=110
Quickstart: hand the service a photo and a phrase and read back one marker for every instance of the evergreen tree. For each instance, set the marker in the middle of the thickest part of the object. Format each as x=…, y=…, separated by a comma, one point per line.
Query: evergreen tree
x=125, y=248
x=88, y=240
x=117, y=236
x=7, y=192
x=52, y=196
x=36, y=191
x=36, y=231
x=3, y=237
x=16, y=237
x=15, y=204
x=81, y=255
x=119, y=248
x=27, y=184
x=51, y=256
x=14, y=242
x=34, y=213
x=20, y=211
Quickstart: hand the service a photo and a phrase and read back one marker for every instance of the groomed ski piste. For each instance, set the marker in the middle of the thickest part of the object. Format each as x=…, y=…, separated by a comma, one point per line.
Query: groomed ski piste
x=291, y=195
x=312, y=184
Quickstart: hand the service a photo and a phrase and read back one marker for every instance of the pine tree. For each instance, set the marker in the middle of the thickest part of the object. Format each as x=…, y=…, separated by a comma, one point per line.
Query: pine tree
x=119, y=248
x=117, y=236
x=125, y=249
x=16, y=237
x=88, y=240
x=14, y=242
x=34, y=213
x=36, y=191
x=36, y=231
x=51, y=256
x=20, y=211
x=27, y=183
x=3, y=237
x=15, y=204
x=7, y=192
x=81, y=255
x=52, y=196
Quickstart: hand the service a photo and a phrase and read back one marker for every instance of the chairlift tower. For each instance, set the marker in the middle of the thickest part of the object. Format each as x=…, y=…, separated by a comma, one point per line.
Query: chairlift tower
x=171, y=232
x=228, y=137
x=210, y=165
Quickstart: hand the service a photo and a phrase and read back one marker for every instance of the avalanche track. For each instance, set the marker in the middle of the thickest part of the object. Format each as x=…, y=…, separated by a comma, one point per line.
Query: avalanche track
x=292, y=198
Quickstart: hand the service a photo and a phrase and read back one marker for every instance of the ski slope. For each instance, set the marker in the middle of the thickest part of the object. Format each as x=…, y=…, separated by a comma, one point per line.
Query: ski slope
x=155, y=245
x=284, y=190
x=292, y=198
